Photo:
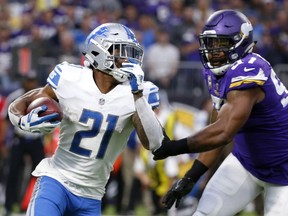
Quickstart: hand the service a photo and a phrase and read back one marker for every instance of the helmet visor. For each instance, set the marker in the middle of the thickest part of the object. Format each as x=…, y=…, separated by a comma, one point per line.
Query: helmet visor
x=130, y=51
x=215, y=43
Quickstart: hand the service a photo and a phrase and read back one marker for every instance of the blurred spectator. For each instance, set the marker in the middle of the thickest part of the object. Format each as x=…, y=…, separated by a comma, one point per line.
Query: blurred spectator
x=268, y=12
x=279, y=33
x=5, y=57
x=85, y=27
x=268, y=50
x=46, y=24
x=27, y=56
x=147, y=26
x=170, y=15
x=185, y=36
x=67, y=51
x=106, y=11
x=112, y=6
x=202, y=10
x=258, y=27
x=59, y=47
x=3, y=149
x=22, y=144
x=130, y=17
x=162, y=60
x=23, y=35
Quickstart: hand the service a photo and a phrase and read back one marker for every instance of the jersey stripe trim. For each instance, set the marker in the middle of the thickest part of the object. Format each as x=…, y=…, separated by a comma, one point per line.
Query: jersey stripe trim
x=259, y=79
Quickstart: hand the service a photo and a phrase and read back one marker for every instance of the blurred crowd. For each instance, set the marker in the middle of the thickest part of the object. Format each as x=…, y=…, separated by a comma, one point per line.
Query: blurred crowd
x=37, y=34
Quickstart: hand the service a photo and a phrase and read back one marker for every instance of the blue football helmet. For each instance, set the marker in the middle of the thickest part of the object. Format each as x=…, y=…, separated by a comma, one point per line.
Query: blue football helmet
x=229, y=32
x=109, y=42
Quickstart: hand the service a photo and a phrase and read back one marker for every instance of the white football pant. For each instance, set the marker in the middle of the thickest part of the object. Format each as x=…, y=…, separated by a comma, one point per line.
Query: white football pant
x=232, y=187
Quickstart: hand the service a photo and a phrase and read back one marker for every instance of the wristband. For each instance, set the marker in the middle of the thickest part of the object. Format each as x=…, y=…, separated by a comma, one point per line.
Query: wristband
x=177, y=147
x=196, y=171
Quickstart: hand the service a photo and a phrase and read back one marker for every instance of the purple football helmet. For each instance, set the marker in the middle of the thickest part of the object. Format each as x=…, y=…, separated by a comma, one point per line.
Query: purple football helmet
x=229, y=32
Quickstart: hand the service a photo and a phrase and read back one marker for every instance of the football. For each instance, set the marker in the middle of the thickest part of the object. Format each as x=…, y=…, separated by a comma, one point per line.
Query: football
x=52, y=107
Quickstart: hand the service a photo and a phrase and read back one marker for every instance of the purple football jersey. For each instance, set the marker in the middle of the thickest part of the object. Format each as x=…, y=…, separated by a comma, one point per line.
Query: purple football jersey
x=262, y=143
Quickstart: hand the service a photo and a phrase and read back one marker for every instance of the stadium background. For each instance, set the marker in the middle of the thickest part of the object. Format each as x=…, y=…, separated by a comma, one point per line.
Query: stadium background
x=35, y=35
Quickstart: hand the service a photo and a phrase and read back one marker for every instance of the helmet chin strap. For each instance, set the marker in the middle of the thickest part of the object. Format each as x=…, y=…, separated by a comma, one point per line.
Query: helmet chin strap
x=119, y=75
x=219, y=71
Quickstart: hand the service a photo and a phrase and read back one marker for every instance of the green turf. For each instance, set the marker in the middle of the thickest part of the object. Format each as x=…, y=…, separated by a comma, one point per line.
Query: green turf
x=142, y=211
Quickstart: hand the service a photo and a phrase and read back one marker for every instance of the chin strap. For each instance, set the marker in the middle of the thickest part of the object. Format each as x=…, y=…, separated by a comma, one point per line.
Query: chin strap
x=151, y=125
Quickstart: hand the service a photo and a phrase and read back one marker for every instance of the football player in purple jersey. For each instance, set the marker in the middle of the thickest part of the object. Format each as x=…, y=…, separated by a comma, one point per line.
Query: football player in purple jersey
x=250, y=109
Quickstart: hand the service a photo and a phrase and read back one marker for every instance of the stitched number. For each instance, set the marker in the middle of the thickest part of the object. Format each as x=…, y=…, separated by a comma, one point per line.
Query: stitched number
x=280, y=88
x=97, y=119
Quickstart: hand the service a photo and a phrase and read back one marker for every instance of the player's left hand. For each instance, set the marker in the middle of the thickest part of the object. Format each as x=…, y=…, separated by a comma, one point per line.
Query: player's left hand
x=180, y=188
x=34, y=123
x=136, y=76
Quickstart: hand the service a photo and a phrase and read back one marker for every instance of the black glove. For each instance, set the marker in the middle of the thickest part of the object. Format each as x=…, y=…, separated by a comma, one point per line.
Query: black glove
x=181, y=188
x=171, y=148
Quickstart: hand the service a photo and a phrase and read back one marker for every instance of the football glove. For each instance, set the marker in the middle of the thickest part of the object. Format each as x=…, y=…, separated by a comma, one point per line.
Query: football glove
x=171, y=148
x=180, y=188
x=32, y=122
x=136, y=76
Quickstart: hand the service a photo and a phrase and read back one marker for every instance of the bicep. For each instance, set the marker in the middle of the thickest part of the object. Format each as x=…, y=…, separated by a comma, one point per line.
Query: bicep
x=20, y=104
x=231, y=117
x=234, y=114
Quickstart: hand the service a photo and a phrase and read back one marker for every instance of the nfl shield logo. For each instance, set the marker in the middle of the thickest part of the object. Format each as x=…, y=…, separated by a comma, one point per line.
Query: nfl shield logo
x=101, y=101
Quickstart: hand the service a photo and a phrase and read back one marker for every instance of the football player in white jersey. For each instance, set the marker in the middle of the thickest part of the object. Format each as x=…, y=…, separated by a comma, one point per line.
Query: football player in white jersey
x=99, y=113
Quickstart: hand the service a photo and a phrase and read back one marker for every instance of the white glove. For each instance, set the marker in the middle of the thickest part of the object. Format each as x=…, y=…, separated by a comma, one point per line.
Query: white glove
x=136, y=76
x=36, y=124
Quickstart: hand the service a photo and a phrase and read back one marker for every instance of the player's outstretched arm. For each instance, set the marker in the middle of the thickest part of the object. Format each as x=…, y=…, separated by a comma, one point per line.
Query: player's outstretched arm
x=230, y=119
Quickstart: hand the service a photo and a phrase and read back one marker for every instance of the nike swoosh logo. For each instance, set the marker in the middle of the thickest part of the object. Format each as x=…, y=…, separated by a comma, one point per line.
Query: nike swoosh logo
x=248, y=69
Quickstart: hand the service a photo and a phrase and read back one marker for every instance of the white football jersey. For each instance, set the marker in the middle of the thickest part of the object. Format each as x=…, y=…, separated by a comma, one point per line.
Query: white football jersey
x=93, y=132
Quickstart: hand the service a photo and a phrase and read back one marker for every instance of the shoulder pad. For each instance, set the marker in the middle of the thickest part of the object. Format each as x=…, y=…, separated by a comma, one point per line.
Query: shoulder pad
x=65, y=71
x=249, y=72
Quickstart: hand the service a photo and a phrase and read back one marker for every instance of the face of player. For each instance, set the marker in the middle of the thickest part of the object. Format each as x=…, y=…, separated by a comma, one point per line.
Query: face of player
x=119, y=60
x=217, y=48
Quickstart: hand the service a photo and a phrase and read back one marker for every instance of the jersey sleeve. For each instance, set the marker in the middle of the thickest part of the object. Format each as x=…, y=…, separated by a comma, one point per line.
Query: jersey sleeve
x=54, y=78
x=63, y=78
x=246, y=76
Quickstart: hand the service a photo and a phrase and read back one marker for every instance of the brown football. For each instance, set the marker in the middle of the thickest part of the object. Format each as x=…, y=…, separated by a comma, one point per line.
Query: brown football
x=52, y=107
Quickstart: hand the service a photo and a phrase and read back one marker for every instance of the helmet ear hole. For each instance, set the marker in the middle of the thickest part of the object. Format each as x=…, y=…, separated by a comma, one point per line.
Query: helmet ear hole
x=87, y=63
x=90, y=60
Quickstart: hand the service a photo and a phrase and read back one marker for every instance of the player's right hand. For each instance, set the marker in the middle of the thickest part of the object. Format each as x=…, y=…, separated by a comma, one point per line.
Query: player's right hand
x=136, y=76
x=32, y=122
x=180, y=188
